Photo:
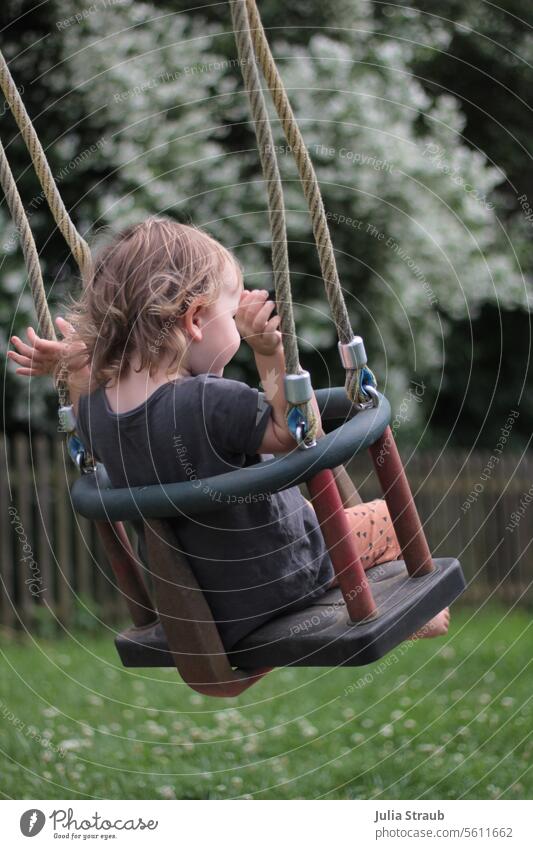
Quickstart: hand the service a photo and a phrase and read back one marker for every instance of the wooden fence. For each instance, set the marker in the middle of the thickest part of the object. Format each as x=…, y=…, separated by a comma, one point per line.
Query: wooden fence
x=52, y=568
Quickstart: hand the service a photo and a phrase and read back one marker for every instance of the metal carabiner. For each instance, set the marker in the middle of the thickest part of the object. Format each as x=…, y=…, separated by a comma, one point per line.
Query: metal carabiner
x=374, y=396
x=300, y=432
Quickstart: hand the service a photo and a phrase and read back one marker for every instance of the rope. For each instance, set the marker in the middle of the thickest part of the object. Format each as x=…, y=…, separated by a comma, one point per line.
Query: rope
x=276, y=205
x=269, y=165
x=79, y=247
x=306, y=171
x=31, y=259
x=313, y=196
x=280, y=260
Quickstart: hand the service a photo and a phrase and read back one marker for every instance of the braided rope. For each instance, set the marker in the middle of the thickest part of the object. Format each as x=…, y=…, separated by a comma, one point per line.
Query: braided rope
x=269, y=165
x=79, y=247
x=313, y=196
x=276, y=204
x=31, y=259
x=306, y=171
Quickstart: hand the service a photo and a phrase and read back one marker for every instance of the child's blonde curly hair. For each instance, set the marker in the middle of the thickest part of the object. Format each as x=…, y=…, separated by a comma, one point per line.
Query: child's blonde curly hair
x=142, y=282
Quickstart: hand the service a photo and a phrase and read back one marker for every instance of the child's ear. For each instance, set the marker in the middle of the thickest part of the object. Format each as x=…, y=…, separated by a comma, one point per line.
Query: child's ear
x=192, y=321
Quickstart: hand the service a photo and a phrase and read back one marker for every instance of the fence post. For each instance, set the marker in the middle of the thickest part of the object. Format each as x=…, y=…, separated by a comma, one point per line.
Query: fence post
x=62, y=547
x=7, y=566
x=25, y=544
x=45, y=536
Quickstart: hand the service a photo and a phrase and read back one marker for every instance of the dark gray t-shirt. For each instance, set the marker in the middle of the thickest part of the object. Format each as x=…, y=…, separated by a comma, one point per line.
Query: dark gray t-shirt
x=253, y=560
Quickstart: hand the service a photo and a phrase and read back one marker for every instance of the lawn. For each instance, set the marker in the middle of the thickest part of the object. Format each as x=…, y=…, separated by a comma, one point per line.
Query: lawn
x=439, y=719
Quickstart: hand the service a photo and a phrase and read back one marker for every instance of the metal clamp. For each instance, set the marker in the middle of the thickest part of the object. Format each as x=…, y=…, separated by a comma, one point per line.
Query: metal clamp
x=353, y=354
x=298, y=388
x=67, y=419
x=299, y=391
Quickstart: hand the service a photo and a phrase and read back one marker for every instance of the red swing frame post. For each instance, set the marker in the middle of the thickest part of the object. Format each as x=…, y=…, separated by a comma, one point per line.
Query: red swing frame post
x=397, y=493
x=341, y=545
x=339, y=538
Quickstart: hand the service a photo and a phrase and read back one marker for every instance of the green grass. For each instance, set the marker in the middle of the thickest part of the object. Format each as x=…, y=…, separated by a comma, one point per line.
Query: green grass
x=443, y=719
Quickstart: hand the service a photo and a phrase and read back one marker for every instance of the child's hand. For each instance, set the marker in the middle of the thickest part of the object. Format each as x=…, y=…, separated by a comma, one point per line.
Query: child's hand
x=42, y=356
x=253, y=322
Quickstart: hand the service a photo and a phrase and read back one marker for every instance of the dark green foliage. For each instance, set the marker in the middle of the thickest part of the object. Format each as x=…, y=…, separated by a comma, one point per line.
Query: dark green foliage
x=476, y=52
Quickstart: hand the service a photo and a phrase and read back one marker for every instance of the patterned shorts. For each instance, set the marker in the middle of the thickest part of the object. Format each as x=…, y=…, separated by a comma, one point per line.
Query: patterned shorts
x=374, y=533
x=375, y=536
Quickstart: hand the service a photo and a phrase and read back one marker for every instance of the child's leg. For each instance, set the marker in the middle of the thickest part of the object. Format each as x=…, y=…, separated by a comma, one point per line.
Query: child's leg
x=374, y=532
x=377, y=542
x=375, y=537
x=436, y=627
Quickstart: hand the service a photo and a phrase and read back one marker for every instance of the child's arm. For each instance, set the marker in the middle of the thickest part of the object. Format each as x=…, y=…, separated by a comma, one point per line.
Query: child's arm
x=44, y=357
x=265, y=340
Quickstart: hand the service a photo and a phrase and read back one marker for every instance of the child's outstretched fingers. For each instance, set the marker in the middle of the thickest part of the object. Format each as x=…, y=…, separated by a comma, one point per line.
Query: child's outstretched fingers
x=31, y=360
x=39, y=357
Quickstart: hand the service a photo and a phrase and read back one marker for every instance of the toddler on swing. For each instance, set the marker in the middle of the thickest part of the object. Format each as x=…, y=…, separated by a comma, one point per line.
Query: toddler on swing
x=146, y=345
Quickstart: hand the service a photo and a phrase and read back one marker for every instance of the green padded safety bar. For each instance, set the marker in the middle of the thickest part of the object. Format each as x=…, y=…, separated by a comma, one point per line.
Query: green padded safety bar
x=94, y=498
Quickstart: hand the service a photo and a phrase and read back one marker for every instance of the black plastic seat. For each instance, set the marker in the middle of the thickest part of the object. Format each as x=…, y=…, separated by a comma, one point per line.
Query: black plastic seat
x=322, y=634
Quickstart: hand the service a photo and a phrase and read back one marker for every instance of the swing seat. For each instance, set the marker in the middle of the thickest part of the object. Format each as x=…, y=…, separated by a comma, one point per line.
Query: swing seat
x=322, y=634
x=183, y=632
